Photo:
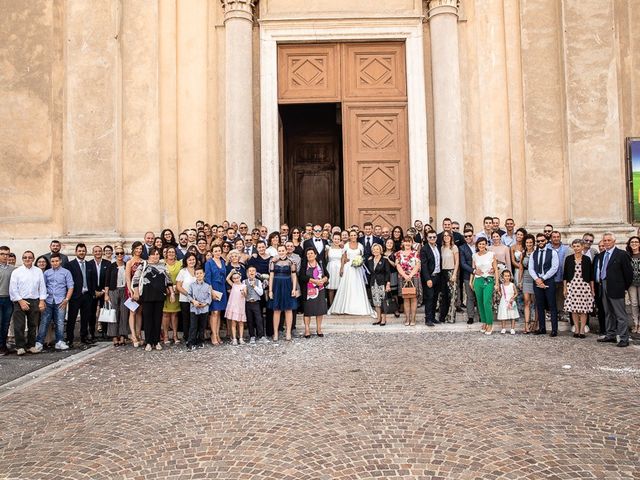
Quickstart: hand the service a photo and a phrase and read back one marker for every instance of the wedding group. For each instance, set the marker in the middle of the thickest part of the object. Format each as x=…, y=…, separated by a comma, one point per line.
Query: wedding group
x=252, y=285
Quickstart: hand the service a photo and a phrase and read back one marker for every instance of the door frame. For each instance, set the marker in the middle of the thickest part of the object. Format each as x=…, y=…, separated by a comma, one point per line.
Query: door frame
x=409, y=29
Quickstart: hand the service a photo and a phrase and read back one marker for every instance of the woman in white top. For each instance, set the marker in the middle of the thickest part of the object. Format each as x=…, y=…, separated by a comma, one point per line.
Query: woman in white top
x=185, y=278
x=483, y=281
x=334, y=262
x=351, y=297
x=450, y=266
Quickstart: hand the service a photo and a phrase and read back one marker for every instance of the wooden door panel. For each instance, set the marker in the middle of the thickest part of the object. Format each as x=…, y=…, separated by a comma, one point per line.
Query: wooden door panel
x=314, y=200
x=308, y=73
x=374, y=70
x=376, y=166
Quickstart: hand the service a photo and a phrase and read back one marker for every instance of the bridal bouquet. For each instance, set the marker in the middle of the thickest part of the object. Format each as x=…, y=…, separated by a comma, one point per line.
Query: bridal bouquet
x=357, y=262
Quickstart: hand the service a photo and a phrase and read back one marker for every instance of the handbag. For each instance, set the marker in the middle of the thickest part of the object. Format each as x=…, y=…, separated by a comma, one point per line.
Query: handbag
x=390, y=304
x=107, y=314
x=409, y=290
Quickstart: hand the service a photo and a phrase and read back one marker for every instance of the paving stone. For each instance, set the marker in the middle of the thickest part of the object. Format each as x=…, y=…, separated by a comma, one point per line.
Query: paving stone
x=356, y=406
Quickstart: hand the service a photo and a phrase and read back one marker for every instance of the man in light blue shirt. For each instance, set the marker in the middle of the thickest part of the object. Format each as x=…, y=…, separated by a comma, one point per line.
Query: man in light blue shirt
x=562, y=251
x=59, y=284
x=509, y=237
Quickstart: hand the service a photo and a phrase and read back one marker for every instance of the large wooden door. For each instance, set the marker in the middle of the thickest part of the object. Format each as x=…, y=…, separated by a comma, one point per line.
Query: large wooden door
x=312, y=160
x=375, y=142
x=369, y=80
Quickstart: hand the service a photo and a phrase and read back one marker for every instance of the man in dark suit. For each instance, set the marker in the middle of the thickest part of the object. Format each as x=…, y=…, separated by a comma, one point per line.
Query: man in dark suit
x=447, y=225
x=317, y=242
x=602, y=322
x=84, y=287
x=466, y=252
x=430, y=268
x=147, y=245
x=615, y=275
x=101, y=266
x=543, y=266
x=369, y=239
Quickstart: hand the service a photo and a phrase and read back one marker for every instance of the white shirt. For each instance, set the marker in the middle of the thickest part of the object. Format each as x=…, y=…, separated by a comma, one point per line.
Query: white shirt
x=187, y=279
x=27, y=283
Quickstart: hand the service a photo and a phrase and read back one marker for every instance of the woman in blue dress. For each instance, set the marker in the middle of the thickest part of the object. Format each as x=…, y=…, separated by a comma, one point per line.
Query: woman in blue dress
x=283, y=290
x=215, y=274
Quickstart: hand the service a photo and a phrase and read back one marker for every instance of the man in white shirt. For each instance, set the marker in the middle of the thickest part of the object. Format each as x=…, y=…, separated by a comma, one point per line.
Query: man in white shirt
x=488, y=230
x=509, y=237
x=28, y=291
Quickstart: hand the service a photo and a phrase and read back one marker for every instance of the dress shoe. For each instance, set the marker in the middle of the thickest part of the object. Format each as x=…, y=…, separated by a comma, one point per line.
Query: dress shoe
x=431, y=324
x=553, y=334
x=607, y=340
x=622, y=344
x=470, y=321
x=539, y=332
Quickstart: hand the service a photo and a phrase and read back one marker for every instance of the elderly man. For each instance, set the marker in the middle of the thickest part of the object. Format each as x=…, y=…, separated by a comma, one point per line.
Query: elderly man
x=614, y=271
x=28, y=293
x=59, y=284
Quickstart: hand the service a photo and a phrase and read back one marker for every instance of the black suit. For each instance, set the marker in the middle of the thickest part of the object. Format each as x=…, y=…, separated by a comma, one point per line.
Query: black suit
x=311, y=243
x=81, y=300
x=430, y=294
x=101, y=283
x=145, y=251
x=372, y=240
x=619, y=276
x=602, y=324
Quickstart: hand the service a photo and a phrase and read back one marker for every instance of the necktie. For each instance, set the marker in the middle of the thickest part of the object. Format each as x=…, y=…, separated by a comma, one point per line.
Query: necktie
x=538, y=265
x=605, y=262
x=369, y=243
x=84, y=275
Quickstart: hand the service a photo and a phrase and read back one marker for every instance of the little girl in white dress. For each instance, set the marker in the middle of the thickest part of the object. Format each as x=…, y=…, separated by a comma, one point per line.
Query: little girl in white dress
x=508, y=308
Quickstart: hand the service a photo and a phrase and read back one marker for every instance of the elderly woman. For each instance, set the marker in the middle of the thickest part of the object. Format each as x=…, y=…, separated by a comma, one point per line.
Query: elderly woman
x=151, y=284
x=379, y=281
x=313, y=281
x=578, y=287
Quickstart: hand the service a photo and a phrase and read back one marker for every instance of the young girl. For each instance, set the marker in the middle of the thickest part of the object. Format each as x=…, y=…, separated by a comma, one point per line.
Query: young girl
x=235, y=307
x=508, y=309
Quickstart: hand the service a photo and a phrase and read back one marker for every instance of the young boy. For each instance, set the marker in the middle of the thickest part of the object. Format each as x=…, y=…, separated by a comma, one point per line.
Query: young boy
x=199, y=295
x=252, y=306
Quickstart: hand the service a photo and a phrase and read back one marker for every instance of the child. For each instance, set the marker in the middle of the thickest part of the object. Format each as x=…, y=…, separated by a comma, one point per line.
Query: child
x=235, y=306
x=199, y=295
x=254, y=290
x=508, y=309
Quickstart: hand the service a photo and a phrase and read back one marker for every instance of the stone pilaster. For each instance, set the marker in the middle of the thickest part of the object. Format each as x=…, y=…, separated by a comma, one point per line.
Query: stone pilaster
x=238, y=22
x=447, y=109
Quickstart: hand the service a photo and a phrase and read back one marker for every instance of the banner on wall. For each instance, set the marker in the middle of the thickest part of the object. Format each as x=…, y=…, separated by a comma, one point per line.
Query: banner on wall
x=633, y=156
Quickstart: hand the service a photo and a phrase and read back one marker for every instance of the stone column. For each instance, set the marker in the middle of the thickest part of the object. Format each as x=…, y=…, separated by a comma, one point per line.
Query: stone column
x=238, y=22
x=447, y=110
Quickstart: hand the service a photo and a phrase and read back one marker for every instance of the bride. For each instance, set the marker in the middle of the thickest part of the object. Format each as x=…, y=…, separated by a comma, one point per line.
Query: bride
x=351, y=297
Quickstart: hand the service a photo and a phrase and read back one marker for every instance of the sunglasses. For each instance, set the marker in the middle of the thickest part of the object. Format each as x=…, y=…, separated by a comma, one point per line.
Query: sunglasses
x=541, y=241
x=468, y=236
x=547, y=231
x=119, y=253
x=27, y=258
x=455, y=228
x=317, y=231
x=431, y=237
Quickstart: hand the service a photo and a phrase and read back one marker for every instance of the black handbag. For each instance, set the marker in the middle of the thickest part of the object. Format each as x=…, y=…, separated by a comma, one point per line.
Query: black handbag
x=389, y=304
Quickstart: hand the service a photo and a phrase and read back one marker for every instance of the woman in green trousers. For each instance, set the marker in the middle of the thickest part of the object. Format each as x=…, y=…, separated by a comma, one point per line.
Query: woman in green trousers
x=484, y=282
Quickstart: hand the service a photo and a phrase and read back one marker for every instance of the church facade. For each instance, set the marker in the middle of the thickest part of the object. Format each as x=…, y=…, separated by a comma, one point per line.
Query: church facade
x=120, y=116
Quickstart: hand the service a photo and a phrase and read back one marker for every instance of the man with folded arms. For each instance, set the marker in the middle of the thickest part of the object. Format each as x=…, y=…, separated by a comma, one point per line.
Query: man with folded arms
x=59, y=284
x=28, y=293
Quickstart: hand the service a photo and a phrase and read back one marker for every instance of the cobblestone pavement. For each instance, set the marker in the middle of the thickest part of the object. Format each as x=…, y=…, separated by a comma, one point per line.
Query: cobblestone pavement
x=421, y=405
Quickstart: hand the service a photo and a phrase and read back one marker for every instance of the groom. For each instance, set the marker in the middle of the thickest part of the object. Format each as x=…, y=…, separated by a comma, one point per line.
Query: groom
x=369, y=240
x=317, y=243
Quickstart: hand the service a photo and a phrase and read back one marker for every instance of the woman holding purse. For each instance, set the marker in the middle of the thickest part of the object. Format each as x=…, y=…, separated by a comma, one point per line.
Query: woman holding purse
x=379, y=282
x=408, y=266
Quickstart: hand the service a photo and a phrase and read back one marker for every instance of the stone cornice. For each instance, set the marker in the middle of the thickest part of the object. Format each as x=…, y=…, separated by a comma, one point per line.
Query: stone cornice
x=238, y=9
x=438, y=7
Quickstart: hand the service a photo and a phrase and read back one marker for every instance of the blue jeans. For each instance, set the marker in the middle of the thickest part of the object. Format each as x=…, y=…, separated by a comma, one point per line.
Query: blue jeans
x=51, y=310
x=6, y=310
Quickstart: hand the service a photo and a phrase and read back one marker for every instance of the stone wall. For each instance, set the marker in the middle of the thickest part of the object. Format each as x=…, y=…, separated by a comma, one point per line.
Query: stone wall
x=112, y=111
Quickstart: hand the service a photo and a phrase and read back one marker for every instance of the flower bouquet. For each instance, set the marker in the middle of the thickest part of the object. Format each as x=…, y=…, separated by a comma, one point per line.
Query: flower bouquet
x=357, y=262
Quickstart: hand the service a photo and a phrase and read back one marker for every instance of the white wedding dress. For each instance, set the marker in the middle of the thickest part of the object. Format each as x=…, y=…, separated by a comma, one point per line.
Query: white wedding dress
x=351, y=296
